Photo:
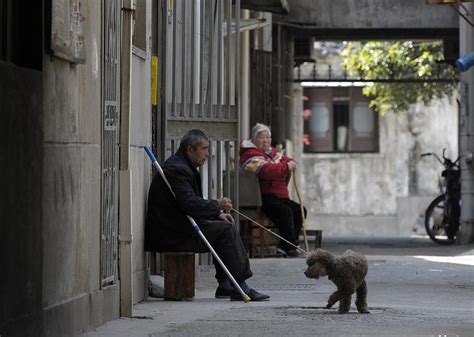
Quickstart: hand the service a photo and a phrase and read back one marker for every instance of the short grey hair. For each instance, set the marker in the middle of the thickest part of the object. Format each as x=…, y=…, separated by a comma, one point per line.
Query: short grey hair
x=259, y=127
x=192, y=138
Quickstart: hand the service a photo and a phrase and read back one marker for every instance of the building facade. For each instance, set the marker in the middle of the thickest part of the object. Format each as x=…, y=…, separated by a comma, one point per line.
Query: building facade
x=85, y=84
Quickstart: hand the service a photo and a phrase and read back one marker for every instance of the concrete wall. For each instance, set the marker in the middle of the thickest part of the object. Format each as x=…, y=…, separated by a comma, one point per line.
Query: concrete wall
x=21, y=162
x=382, y=193
x=361, y=14
x=50, y=154
x=73, y=298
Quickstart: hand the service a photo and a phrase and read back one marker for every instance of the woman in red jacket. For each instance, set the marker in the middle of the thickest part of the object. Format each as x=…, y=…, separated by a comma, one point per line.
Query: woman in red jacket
x=257, y=155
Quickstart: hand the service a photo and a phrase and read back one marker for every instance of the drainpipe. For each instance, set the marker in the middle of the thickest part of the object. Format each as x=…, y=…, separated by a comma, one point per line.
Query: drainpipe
x=466, y=129
x=125, y=174
x=244, y=79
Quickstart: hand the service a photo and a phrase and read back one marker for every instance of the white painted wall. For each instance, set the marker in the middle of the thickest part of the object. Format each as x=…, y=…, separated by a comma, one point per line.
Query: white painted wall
x=351, y=194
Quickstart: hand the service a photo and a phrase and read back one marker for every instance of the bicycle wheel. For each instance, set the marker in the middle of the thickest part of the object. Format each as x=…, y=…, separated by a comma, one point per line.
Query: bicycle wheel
x=435, y=222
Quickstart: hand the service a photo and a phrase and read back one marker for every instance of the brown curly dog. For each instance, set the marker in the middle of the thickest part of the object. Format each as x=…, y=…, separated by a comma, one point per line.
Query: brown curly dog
x=348, y=274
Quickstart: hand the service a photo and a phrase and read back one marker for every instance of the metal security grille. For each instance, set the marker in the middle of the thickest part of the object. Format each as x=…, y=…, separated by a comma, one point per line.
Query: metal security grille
x=201, y=59
x=110, y=128
x=200, y=83
x=261, y=94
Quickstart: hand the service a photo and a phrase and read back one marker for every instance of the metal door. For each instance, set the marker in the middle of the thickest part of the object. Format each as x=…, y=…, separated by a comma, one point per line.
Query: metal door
x=110, y=134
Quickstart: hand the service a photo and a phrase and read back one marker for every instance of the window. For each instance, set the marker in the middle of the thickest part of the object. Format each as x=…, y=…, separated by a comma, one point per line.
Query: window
x=338, y=120
x=3, y=30
x=139, y=40
x=20, y=21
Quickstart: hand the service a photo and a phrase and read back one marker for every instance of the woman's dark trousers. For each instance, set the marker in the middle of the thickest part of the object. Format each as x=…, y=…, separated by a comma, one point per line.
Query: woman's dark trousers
x=286, y=216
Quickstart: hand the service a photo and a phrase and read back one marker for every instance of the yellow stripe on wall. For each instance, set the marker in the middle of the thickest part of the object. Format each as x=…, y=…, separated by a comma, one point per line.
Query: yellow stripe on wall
x=154, y=80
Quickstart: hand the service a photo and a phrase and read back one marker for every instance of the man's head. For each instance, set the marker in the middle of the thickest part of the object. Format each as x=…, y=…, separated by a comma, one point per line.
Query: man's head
x=195, y=145
x=261, y=136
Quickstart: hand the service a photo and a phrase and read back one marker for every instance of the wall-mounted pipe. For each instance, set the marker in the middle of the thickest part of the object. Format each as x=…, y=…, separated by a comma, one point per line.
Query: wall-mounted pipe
x=125, y=174
x=244, y=79
x=466, y=130
x=465, y=62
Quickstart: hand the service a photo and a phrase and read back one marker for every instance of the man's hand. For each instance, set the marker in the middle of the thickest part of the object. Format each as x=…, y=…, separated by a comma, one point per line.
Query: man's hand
x=224, y=203
x=226, y=217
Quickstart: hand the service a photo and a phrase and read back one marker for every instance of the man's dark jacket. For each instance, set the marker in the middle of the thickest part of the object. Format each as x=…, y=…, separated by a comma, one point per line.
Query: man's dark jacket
x=167, y=228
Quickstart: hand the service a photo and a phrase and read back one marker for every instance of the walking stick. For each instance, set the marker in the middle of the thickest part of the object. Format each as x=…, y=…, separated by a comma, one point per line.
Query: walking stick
x=196, y=228
x=305, y=236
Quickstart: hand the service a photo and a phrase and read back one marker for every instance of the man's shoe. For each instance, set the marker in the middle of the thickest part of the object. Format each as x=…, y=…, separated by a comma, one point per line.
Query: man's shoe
x=254, y=295
x=223, y=293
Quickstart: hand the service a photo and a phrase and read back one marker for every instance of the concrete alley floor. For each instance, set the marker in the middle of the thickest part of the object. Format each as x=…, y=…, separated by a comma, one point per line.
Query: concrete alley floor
x=416, y=288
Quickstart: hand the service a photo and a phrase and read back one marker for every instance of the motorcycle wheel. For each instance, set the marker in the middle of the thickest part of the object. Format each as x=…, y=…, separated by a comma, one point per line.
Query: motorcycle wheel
x=435, y=222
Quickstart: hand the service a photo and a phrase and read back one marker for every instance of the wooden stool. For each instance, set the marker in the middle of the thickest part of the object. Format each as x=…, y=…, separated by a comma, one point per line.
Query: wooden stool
x=179, y=276
x=318, y=235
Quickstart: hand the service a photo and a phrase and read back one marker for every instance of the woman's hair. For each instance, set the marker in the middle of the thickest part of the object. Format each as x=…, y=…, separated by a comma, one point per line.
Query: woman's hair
x=259, y=127
x=193, y=138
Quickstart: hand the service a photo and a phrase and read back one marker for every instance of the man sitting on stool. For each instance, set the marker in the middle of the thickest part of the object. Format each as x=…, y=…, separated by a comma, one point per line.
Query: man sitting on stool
x=167, y=228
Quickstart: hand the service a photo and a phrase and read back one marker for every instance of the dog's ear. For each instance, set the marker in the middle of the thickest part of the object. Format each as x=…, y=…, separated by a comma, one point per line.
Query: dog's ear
x=348, y=252
x=324, y=257
x=311, y=258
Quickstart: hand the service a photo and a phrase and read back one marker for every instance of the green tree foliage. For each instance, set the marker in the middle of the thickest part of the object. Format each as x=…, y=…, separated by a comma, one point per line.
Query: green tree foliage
x=401, y=60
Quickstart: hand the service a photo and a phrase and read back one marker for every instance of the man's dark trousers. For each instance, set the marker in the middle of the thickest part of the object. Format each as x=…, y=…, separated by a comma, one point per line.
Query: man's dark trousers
x=225, y=239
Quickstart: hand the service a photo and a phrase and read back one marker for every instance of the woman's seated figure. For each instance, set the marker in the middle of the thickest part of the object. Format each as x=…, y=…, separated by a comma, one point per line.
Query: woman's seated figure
x=257, y=155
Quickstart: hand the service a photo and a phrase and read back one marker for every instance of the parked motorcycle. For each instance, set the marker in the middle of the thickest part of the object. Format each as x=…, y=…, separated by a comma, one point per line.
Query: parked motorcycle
x=442, y=217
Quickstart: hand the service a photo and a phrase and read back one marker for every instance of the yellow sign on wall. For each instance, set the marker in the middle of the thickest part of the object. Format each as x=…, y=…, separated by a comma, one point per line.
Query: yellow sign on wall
x=154, y=80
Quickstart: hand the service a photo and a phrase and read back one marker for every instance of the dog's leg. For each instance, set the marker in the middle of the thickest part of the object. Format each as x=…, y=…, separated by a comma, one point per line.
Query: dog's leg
x=361, y=300
x=337, y=296
x=345, y=304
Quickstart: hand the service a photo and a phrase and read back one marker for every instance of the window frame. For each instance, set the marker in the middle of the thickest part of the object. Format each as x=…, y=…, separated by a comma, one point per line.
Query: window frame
x=328, y=143
x=140, y=38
